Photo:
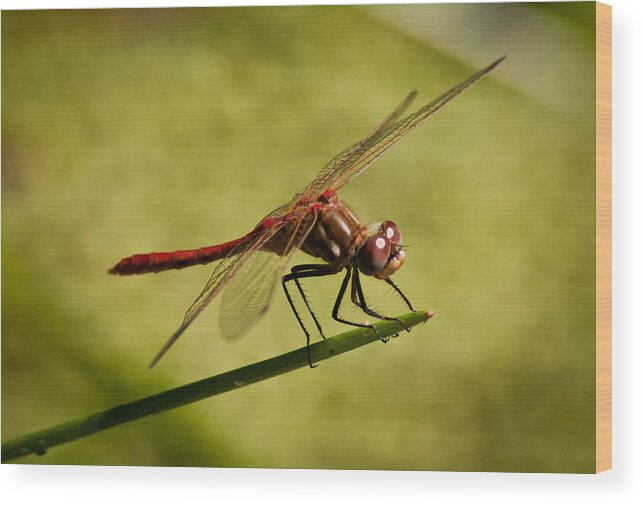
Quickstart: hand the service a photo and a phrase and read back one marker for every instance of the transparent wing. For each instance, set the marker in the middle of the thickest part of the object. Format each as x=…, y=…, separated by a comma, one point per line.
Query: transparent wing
x=354, y=160
x=223, y=273
x=392, y=117
x=350, y=154
x=256, y=303
x=249, y=294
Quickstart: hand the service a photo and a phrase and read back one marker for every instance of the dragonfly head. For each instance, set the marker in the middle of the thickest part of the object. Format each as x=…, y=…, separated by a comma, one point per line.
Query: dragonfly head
x=382, y=254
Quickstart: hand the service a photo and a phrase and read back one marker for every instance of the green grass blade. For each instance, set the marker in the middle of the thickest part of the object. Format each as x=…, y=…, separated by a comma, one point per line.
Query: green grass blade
x=39, y=442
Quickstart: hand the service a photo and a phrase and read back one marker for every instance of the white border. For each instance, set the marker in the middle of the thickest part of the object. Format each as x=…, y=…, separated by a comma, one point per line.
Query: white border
x=109, y=485
x=97, y=4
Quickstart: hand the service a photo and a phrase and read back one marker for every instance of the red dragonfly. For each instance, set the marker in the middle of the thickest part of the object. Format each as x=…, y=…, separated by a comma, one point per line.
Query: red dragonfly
x=314, y=221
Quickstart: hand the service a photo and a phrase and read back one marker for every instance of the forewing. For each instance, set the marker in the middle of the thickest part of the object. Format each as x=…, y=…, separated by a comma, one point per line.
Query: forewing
x=389, y=120
x=352, y=153
x=248, y=295
x=222, y=274
x=353, y=161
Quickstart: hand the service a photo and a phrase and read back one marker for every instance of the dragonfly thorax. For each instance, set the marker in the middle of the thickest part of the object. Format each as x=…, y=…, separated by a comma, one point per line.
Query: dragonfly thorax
x=340, y=239
x=336, y=235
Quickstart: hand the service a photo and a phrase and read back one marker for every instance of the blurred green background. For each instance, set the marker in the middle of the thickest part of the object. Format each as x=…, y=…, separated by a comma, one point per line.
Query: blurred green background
x=130, y=131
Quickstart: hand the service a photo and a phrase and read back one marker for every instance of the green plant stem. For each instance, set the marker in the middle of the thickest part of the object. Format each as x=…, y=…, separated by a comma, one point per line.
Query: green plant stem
x=40, y=441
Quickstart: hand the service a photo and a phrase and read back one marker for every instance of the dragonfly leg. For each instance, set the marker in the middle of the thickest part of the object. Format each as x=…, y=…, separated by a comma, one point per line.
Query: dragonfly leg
x=300, y=272
x=300, y=269
x=399, y=292
x=355, y=298
x=338, y=304
x=358, y=292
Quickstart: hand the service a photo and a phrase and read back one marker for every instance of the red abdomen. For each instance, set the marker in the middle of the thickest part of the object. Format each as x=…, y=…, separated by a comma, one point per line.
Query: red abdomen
x=159, y=262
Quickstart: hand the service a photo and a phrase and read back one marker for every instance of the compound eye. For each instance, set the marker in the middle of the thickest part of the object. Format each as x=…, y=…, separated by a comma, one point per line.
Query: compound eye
x=374, y=254
x=390, y=230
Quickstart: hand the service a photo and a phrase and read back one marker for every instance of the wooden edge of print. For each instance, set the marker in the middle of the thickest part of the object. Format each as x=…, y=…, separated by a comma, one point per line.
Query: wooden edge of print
x=603, y=237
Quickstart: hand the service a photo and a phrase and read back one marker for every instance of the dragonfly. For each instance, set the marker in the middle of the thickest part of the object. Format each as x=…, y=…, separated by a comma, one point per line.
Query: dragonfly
x=316, y=222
